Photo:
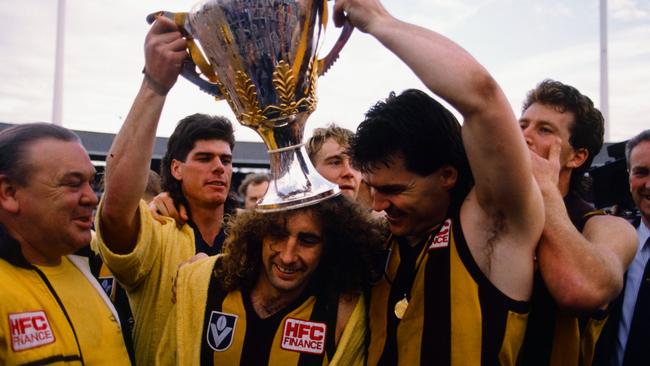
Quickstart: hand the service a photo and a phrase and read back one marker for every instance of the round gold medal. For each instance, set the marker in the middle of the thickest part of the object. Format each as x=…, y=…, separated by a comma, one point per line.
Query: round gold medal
x=400, y=308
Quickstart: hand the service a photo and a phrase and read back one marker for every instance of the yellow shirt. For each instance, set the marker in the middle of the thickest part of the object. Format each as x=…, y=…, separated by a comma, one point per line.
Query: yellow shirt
x=147, y=275
x=34, y=327
x=98, y=331
x=181, y=344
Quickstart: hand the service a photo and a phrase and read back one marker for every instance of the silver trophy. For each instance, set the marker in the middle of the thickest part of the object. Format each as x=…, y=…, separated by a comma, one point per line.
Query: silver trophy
x=262, y=57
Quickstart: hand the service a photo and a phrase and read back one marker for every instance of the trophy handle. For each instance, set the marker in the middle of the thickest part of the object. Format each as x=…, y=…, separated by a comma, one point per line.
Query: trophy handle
x=188, y=71
x=326, y=62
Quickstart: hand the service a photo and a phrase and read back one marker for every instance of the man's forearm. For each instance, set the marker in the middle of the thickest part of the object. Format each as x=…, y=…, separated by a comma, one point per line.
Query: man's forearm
x=574, y=270
x=128, y=162
x=443, y=66
x=492, y=138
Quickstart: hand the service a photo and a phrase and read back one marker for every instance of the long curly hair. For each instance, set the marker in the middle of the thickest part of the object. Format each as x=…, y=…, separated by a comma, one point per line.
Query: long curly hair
x=351, y=240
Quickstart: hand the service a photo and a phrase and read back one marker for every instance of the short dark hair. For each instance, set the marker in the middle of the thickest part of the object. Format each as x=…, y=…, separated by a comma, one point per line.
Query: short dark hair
x=416, y=127
x=341, y=135
x=254, y=179
x=351, y=240
x=588, y=127
x=15, y=140
x=631, y=144
x=189, y=130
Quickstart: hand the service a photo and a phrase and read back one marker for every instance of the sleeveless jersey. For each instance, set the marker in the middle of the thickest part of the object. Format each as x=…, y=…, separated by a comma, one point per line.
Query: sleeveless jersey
x=556, y=337
x=455, y=315
x=301, y=334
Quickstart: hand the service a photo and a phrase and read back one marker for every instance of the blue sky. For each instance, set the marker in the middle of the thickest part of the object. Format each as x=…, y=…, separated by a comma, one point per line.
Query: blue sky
x=520, y=42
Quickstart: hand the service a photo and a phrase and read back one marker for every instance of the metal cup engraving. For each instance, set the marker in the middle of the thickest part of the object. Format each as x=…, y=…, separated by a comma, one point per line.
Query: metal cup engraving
x=262, y=57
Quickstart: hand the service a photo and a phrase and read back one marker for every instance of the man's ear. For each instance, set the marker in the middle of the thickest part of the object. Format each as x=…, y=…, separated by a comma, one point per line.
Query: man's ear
x=577, y=158
x=8, y=200
x=176, y=168
x=448, y=177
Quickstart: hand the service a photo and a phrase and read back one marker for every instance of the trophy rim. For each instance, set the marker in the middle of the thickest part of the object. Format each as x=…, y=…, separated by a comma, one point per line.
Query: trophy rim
x=298, y=203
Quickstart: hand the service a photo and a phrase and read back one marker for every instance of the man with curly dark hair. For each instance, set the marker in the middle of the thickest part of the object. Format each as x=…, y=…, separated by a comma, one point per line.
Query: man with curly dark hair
x=287, y=291
x=583, y=253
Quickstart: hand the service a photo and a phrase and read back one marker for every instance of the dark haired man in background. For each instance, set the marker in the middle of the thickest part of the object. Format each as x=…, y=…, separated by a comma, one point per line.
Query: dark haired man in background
x=583, y=253
x=460, y=273
x=252, y=189
x=141, y=252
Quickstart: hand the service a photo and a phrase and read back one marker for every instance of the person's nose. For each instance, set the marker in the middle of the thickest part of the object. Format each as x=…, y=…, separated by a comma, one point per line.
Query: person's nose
x=288, y=251
x=88, y=196
x=379, y=201
x=218, y=166
x=527, y=132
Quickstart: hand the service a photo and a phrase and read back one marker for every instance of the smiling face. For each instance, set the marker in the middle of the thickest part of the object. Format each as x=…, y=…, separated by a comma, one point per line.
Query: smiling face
x=640, y=178
x=333, y=163
x=413, y=204
x=206, y=173
x=56, y=206
x=291, y=252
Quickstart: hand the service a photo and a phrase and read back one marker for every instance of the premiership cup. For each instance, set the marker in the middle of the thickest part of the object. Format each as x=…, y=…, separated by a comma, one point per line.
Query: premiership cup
x=261, y=56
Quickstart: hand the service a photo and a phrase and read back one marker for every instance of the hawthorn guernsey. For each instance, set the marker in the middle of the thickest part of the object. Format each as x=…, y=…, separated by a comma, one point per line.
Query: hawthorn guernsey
x=302, y=336
x=29, y=330
x=441, y=240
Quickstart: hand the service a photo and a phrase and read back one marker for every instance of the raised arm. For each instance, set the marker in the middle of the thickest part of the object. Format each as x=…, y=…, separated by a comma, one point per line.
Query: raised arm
x=129, y=158
x=496, y=150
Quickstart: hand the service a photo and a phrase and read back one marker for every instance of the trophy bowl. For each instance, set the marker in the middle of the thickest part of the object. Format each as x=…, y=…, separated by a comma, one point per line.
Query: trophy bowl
x=261, y=56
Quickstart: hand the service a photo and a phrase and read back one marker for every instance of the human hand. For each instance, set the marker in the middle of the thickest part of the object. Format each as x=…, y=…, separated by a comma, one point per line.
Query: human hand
x=547, y=171
x=362, y=14
x=195, y=258
x=164, y=53
x=163, y=206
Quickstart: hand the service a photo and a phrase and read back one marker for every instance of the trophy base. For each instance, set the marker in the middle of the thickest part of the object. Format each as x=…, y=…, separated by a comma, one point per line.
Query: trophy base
x=295, y=183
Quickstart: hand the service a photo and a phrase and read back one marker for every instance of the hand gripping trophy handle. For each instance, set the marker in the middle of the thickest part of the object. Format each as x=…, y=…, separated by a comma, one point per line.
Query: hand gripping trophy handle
x=211, y=85
x=188, y=71
x=261, y=56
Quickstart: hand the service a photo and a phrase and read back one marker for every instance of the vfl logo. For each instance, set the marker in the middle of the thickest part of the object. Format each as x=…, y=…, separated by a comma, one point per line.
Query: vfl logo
x=29, y=330
x=220, y=330
x=108, y=284
x=441, y=240
x=302, y=336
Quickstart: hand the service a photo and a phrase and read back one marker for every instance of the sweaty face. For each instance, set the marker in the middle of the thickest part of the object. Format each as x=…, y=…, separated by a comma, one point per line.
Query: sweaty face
x=541, y=125
x=413, y=204
x=206, y=172
x=57, y=204
x=291, y=252
x=254, y=193
x=333, y=163
x=640, y=178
